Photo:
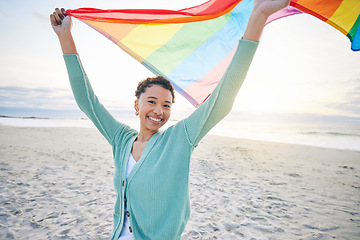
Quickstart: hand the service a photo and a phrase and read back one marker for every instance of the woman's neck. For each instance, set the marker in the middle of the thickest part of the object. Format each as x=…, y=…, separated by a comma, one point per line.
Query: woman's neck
x=144, y=136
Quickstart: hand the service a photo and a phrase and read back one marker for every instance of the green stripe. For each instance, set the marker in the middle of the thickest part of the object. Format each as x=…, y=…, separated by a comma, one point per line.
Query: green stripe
x=184, y=43
x=354, y=29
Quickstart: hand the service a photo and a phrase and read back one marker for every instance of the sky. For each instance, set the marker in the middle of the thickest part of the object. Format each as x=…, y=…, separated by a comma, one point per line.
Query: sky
x=302, y=65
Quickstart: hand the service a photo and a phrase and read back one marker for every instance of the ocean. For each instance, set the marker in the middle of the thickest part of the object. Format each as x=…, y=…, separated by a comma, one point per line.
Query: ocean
x=328, y=135
x=339, y=135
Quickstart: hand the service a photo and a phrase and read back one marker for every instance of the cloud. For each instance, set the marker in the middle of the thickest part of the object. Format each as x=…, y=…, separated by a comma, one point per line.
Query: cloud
x=20, y=97
x=42, y=19
x=45, y=98
x=350, y=99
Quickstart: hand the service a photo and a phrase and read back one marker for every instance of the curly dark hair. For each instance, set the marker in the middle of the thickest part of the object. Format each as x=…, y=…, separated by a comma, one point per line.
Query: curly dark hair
x=150, y=81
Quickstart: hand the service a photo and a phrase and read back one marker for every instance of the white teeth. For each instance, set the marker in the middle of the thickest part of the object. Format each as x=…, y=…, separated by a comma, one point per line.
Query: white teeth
x=155, y=119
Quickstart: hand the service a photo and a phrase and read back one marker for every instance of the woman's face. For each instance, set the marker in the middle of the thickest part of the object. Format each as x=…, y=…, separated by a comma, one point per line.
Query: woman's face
x=154, y=107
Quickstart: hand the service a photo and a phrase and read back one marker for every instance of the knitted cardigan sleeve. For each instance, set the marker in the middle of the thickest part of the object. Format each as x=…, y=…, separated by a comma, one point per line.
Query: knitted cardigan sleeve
x=87, y=100
x=219, y=104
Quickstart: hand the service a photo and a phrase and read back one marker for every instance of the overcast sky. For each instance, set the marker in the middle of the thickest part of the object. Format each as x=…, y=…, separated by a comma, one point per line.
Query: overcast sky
x=302, y=65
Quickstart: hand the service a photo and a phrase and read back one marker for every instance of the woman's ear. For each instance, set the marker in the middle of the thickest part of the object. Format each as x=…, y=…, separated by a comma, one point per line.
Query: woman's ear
x=136, y=107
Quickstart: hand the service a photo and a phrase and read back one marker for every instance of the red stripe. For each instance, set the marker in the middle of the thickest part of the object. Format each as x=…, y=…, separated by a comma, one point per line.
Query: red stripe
x=205, y=11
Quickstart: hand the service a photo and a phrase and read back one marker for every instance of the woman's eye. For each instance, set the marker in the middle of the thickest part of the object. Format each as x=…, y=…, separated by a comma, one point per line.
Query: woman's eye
x=167, y=106
x=152, y=102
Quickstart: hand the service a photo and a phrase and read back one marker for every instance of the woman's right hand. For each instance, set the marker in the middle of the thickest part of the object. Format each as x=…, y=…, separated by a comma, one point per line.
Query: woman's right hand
x=62, y=26
x=60, y=22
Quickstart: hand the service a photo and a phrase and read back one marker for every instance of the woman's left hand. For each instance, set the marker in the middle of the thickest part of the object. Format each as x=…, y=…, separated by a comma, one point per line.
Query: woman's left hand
x=269, y=7
x=261, y=11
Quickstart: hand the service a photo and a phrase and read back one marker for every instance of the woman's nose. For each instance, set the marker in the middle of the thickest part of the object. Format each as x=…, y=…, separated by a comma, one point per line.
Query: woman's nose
x=158, y=110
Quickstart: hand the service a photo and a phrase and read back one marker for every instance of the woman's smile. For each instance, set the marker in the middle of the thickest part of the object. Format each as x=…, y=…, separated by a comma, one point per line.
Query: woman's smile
x=156, y=120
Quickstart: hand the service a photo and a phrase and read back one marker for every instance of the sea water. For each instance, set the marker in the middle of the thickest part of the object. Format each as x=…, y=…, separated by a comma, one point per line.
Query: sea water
x=329, y=135
x=320, y=134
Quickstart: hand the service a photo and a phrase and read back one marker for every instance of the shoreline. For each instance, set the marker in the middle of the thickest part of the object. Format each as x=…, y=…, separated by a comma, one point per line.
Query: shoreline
x=86, y=124
x=328, y=135
x=58, y=183
x=211, y=134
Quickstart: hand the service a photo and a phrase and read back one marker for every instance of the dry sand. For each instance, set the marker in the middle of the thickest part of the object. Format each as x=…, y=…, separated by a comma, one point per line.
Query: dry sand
x=56, y=183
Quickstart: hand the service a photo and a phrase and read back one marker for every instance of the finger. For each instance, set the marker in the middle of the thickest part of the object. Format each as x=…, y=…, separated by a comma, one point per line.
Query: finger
x=59, y=13
x=63, y=11
x=52, y=20
x=57, y=18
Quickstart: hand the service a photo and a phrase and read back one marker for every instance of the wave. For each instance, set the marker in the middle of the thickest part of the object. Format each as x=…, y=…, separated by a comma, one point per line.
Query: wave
x=6, y=116
x=332, y=134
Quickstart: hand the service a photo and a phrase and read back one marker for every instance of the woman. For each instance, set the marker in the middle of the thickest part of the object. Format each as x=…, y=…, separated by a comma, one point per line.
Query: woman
x=152, y=167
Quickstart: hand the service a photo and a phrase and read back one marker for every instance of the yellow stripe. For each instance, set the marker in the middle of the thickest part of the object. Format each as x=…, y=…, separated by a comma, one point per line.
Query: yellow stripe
x=154, y=35
x=346, y=15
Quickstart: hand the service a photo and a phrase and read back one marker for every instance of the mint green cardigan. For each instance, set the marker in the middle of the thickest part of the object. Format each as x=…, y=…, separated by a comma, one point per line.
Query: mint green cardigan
x=157, y=189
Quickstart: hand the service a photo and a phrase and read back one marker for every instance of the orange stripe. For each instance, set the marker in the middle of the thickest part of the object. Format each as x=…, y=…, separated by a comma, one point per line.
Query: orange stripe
x=324, y=9
x=118, y=31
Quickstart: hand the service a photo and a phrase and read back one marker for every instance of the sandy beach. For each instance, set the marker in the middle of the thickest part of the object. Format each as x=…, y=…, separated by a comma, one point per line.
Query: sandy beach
x=56, y=183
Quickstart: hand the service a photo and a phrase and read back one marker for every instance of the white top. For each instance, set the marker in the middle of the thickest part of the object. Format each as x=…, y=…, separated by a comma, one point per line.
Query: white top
x=125, y=232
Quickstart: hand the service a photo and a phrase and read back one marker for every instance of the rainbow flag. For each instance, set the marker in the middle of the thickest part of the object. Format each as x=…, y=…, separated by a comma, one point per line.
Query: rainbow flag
x=193, y=47
x=343, y=15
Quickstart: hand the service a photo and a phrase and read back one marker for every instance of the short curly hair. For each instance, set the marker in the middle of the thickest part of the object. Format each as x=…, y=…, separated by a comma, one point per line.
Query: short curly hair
x=150, y=81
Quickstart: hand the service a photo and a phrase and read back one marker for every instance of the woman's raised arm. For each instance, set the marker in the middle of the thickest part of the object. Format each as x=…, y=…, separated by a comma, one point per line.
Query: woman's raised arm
x=80, y=84
x=261, y=11
x=219, y=104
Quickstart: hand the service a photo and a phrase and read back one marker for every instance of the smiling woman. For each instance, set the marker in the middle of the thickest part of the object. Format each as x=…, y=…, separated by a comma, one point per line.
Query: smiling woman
x=153, y=106
x=152, y=167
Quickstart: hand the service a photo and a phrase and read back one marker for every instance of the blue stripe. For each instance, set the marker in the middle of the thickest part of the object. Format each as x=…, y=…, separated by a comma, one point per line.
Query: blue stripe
x=355, y=45
x=213, y=51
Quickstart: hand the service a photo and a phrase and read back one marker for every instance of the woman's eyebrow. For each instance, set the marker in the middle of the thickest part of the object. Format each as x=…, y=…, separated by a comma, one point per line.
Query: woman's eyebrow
x=167, y=101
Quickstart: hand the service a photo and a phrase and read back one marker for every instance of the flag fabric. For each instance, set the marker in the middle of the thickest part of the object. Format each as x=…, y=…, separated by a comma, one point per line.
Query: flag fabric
x=193, y=47
x=343, y=15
